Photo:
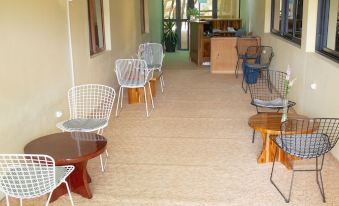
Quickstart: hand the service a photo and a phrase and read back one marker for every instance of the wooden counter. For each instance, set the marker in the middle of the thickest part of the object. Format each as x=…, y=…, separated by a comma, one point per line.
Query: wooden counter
x=223, y=55
x=200, y=44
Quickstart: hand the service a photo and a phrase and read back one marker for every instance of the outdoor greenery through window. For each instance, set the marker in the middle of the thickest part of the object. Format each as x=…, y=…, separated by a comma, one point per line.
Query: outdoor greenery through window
x=287, y=19
x=328, y=28
x=96, y=26
x=177, y=11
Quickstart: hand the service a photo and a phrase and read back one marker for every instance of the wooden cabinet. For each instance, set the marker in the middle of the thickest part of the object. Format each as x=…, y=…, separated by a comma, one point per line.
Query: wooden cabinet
x=223, y=54
x=200, y=43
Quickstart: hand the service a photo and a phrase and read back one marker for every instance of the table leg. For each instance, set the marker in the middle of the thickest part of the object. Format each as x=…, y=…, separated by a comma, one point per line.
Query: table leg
x=267, y=153
x=78, y=182
x=136, y=95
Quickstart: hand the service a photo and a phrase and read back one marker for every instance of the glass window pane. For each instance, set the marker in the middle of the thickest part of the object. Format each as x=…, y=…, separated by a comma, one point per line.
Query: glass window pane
x=277, y=14
x=228, y=8
x=205, y=8
x=295, y=17
x=184, y=35
x=98, y=24
x=333, y=26
x=183, y=13
x=169, y=9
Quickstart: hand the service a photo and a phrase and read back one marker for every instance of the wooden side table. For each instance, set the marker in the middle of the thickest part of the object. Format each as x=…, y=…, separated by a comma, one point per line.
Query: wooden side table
x=136, y=95
x=268, y=124
x=67, y=148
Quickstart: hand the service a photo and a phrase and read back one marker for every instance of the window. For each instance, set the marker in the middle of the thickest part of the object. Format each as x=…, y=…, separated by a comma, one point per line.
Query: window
x=142, y=16
x=96, y=26
x=287, y=19
x=218, y=8
x=328, y=28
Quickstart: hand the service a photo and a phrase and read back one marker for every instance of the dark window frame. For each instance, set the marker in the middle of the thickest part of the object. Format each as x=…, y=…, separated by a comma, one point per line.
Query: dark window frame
x=322, y=31
x=283, y=28
x=142, y=16
x=92, y=28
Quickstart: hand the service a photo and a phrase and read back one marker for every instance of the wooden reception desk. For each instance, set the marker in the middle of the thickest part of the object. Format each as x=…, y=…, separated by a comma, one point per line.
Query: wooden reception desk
x=218, y=47
x=223, y=55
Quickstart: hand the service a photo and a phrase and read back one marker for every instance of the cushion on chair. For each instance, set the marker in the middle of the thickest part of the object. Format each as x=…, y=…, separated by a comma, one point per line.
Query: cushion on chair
x=154, y=66
x=28, y=187
x=275, y=103
x=304, y=145
x=84, y=124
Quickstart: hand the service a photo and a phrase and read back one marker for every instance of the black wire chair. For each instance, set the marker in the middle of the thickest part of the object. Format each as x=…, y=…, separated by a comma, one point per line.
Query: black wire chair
x=242, y=45
x=307, y=138
x=267, y=89
x=256, y=57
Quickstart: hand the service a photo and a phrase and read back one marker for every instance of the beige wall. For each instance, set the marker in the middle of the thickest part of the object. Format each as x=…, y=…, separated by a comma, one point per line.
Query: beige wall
x=35, y=65
x=307, y=66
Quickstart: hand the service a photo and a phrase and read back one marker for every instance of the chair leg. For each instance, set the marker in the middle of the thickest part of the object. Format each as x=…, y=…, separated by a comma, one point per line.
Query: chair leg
x=69, y=193
x=253, y=135
x=147, y=115
x=287, y=199
x=118, y=102
x=242, y=84
x=150, y=93
x=7, y=200
x=320, y=179
x=103, y=163
x=162, y=83
x=20, y=201
x=49, y=198
x=236, y=69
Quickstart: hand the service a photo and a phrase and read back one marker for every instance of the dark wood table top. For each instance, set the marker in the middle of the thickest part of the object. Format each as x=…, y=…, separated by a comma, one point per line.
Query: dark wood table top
x=68, y=147
x=269, y=122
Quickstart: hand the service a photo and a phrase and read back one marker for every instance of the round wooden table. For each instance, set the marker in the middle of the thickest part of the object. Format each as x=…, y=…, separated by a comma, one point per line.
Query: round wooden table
x=268, y=124
x=67, y=148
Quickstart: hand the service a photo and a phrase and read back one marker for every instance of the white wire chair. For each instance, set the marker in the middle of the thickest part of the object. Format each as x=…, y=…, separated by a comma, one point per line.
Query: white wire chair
x=27, y=176
x=90, y=107
x=153, y=54
x=133, y=73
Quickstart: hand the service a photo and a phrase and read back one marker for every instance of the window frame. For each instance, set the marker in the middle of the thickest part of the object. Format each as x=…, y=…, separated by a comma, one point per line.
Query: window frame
x=322, y=31
x=283, y=28
x=142, y=16
x=92, y=37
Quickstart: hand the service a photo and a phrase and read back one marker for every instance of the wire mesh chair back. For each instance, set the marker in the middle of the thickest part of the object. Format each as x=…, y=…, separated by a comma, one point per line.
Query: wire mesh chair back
x=132, y=73
x=244, y=43
x=309, y=138
x=263, y=55
x=152, y=53
x=26, y=176
x=91, y=101
x=267, y=85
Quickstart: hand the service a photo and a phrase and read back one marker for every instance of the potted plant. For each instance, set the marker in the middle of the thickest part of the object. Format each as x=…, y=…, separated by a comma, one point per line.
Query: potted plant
x=170, y=36
x=192, y=14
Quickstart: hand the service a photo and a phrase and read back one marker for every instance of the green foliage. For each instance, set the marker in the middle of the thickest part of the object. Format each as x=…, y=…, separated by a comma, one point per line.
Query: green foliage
x=169, y=33
x=192, y=13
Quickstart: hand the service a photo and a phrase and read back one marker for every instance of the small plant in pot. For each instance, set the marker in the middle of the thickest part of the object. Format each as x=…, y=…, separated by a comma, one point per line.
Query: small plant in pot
x=170, y=36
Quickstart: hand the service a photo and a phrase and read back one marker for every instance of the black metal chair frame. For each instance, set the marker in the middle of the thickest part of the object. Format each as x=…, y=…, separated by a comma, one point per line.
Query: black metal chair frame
x=269, y=82
x=241, y=53
x=329, y=127
x=254, y=53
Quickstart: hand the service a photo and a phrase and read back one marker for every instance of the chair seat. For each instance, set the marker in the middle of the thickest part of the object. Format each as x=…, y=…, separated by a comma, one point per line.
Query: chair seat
x=154, y=66
x=157, y=74
x=304, y=145
x=85, y=125
x=31, y=181
x=247, y=56
x=256, y=66
x=275, y=103
x=61, y=172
